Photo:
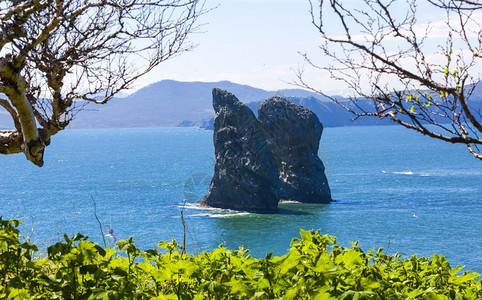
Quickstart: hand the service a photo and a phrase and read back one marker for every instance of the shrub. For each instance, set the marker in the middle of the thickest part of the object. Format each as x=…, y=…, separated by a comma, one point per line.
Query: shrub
x=315, y=267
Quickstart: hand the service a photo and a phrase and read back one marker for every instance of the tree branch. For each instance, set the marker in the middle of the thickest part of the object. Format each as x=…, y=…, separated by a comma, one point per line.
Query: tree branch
x=408, y=85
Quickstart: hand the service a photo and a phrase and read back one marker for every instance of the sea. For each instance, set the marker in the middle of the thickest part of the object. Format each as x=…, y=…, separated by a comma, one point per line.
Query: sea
x=394, y=188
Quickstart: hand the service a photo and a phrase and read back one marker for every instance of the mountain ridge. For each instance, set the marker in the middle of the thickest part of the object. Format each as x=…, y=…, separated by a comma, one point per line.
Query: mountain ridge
x=170, y=103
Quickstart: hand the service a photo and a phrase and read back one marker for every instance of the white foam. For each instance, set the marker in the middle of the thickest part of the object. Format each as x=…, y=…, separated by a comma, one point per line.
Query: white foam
x=193, y=206
x=198, y=206
x=199, y=215
x=289, y=201
x=404, y=173
x=410, y=173
x=214, y=211
x=229, y=215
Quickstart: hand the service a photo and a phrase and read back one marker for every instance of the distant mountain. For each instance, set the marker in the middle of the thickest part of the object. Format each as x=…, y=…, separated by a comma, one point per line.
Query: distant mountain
x=174, y=103
x=329, y=113
x=333, y=115
x=171, y=103
x=477, y=92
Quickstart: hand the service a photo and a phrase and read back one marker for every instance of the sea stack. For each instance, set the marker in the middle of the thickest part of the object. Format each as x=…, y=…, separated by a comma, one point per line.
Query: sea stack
x=293, y=134
x=245, y=173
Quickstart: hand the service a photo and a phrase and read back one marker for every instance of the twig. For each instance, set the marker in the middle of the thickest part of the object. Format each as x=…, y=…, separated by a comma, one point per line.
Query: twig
x=58, y=231
x=195, y=240
x=100, y=224
x=388, y=247
x=183, y=231
x=31, y=229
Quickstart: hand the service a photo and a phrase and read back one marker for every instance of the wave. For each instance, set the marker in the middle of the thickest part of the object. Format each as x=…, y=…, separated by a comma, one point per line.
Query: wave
x=404, y=173
x=213, y=212
x=289, y=201
x=199, y=215
x=229, y=215
x=198, y=206
x=220, y=215
x=409, y=173
x=438, y=173
x=193, y=206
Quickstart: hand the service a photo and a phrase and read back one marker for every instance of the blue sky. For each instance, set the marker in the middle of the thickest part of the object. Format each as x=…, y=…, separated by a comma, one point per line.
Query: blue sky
x=256, y=42
x=253, y=42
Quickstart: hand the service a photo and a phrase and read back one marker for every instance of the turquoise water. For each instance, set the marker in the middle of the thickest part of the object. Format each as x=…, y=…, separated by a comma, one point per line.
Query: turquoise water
x=140, y=178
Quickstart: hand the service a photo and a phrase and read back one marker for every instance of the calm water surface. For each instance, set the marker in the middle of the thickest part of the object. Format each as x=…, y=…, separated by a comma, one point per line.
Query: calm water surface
x=140, y=178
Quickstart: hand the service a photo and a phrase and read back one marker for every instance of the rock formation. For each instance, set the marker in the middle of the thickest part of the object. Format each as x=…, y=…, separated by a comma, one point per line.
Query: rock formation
x=259, y=162
x=245, y=173
x=293, y=134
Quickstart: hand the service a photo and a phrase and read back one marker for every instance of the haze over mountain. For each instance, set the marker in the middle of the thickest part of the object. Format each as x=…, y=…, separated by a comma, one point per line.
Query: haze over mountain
x=170, y=103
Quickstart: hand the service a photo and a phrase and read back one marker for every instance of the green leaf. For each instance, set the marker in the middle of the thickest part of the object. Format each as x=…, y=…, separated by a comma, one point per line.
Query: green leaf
x=466, y=277
x=434, y=296
x=88, y=269
x=305, y=235
x=369, y=283
x=122, y=244
x=290, y=262
x=238, y=287
x=415, y=293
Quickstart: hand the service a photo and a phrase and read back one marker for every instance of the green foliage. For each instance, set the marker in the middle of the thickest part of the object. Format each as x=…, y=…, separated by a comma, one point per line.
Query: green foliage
x=314, y=268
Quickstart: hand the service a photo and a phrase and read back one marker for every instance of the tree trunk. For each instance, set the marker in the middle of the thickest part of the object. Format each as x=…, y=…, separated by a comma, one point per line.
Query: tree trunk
x=16, y=90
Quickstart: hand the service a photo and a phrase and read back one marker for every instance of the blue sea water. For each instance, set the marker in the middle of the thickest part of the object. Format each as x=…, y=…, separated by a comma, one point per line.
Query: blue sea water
x=423, y=195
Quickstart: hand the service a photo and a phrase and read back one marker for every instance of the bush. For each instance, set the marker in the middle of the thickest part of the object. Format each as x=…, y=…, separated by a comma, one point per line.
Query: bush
x=314, y=268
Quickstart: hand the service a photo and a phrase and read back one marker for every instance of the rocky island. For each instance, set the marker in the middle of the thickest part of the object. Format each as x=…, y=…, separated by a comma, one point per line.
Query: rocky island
x=245, y=173
x=262, y=161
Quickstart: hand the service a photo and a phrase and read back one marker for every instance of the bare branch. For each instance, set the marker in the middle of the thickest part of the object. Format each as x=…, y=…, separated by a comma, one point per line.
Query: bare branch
x=56, y=55
x=382, y=57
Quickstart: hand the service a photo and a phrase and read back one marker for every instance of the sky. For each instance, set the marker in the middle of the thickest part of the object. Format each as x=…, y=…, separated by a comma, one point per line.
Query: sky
x=254, y=42
x=258, y=43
